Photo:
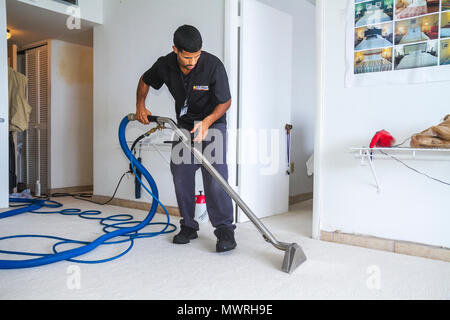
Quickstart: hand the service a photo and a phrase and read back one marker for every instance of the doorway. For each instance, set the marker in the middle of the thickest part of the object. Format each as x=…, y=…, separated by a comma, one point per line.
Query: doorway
x=53, y=150
x=302, y=96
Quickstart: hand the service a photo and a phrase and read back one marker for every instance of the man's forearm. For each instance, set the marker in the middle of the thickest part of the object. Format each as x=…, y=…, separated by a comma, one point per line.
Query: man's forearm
x=141, y=94
x=141, y=111
x=218, y=112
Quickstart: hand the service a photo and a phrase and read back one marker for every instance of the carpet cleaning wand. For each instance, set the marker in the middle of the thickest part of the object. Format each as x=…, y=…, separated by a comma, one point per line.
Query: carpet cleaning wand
x=294, y=255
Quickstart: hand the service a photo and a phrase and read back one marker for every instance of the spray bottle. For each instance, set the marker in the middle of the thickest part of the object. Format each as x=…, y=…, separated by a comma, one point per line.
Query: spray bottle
x=37, y=190
x=201, y=214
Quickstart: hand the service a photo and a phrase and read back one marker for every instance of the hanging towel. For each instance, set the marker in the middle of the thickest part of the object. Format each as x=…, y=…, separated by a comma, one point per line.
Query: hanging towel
x=19, y=108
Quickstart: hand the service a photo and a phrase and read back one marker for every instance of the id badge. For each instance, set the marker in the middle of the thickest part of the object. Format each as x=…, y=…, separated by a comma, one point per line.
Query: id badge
x=184, y=110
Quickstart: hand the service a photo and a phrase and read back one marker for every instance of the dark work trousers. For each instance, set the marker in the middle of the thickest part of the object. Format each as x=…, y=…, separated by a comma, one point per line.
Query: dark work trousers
x=184, y=166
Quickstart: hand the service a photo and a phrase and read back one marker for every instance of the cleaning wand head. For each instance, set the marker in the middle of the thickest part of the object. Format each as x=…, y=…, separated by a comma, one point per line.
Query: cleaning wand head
x=293, y=258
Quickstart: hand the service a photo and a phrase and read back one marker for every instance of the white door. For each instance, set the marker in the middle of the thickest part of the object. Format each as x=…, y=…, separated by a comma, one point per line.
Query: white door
x=4, y=138
x=37, y=137
x=265, y=108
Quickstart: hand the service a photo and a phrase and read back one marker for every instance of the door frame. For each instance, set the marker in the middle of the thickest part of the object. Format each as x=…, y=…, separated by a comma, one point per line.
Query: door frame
x=318, y=131
x=233, y=54
x=4, y=110
x=232, y=23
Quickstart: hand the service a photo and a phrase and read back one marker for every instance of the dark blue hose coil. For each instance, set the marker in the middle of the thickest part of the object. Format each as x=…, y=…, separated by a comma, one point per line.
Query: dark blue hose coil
x=117, y=222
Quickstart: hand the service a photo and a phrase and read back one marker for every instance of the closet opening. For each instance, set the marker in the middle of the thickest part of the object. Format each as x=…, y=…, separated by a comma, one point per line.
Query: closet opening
x=50, y=101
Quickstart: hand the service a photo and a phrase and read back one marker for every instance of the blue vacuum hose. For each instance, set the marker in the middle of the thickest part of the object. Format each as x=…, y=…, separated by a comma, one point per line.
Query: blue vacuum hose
x=69, y=255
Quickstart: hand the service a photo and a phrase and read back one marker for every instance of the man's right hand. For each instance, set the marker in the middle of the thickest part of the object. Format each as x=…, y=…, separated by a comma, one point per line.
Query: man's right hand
x=142, y=115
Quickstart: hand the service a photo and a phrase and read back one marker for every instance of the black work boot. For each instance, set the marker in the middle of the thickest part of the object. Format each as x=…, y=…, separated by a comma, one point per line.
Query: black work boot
x=185, y=235
x=225, y=239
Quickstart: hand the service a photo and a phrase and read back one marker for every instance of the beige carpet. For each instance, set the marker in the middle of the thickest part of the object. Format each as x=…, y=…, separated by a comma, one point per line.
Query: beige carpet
x=157, y=269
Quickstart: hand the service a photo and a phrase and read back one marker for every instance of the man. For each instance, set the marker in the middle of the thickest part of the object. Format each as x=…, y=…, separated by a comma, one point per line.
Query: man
x=199, y=84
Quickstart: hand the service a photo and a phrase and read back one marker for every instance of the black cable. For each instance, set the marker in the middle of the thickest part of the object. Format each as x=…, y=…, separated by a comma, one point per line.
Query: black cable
x=84, y=196
x=88, y=196
x=398, y=145
x=424, y=174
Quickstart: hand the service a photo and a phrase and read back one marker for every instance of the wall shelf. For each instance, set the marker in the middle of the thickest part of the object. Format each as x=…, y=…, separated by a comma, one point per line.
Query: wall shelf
x=368, y=155
x=403, y=153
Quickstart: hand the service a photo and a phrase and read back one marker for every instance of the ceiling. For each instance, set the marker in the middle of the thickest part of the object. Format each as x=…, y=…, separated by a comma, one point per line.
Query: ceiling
x=29, y=24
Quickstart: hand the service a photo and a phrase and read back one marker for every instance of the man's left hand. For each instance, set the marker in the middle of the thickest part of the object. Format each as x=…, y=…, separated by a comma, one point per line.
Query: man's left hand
x=202, y=130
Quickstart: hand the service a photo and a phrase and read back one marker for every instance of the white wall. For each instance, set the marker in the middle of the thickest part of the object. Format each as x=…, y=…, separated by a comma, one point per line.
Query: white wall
x=4, y=163
x=303, y=89
x=91, y=10
x=410, y=207
x=134, y=34
x=71, y=115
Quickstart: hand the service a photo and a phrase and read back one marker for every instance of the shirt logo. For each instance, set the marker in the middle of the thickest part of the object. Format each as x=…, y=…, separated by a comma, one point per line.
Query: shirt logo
x=201, y=88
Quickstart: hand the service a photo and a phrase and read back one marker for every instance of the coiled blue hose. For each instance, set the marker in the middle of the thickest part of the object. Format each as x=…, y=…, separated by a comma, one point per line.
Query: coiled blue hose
x=129, y=233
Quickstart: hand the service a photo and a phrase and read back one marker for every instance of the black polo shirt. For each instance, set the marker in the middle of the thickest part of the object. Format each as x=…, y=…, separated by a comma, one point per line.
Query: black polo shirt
x=201, y=90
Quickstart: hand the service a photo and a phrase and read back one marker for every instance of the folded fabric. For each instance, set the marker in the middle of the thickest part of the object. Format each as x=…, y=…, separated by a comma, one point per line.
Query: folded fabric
x=442, y=132
x=434, y=137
